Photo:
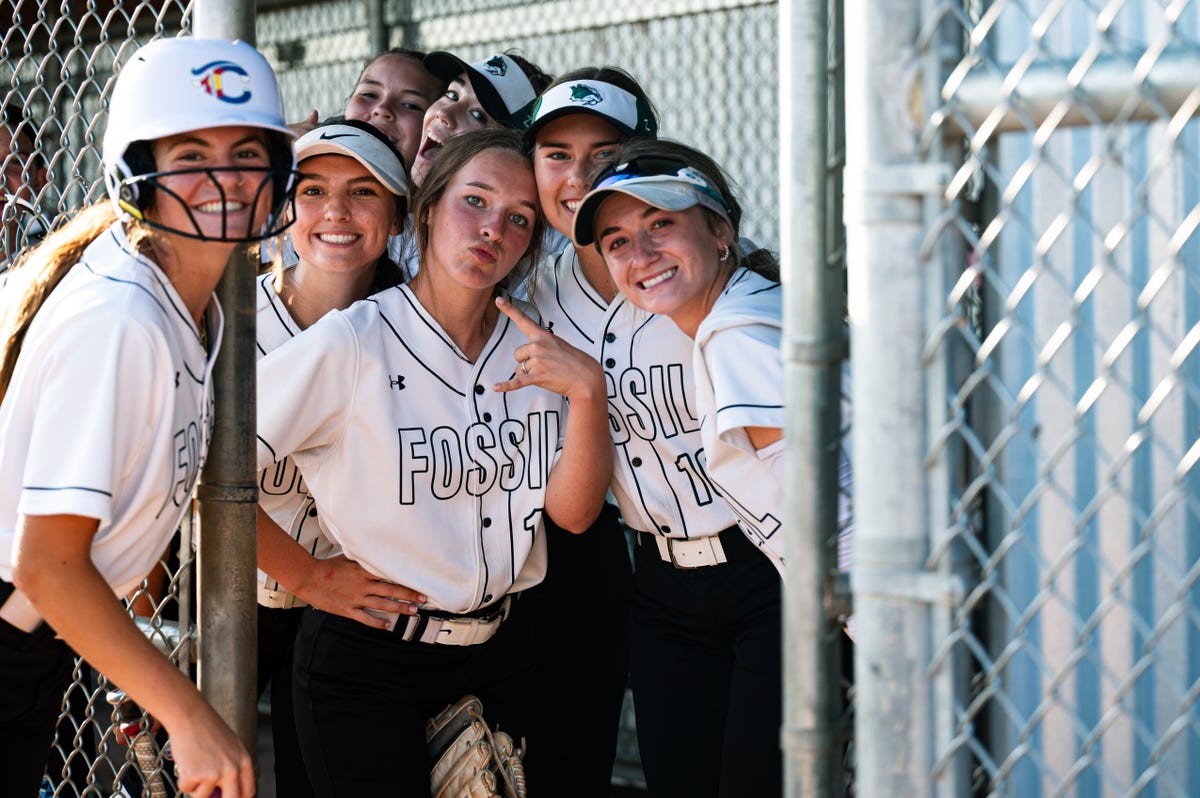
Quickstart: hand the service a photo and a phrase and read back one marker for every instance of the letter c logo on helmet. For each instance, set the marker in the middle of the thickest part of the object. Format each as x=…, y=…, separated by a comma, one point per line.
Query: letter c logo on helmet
x=178, y=85
x=219, y=78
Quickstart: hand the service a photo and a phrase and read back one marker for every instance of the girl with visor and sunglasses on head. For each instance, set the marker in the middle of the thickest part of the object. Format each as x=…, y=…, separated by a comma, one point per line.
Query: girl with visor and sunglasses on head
x=577, y=125
x=706, y=648
x=110, y=333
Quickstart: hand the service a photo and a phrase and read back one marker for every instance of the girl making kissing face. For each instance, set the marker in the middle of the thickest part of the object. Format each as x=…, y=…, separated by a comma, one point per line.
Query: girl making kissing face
x=481, y=224
x=447, y=390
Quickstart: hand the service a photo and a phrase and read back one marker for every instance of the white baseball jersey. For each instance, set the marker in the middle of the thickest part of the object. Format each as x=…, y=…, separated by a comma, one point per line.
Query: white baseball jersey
x=739, y=384
x=281, y=490
x=424, y=475
x=109, y=411
x=659, y=479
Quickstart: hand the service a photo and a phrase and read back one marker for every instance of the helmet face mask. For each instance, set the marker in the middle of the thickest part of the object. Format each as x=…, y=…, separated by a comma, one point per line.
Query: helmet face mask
x=139, y=196
x=175, y=86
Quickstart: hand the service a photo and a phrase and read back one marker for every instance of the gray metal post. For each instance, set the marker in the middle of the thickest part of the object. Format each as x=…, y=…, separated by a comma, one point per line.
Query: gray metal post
x=228, y=490
x=813, y=348
x=377, y=31
x=410, y=30
x=885, y=183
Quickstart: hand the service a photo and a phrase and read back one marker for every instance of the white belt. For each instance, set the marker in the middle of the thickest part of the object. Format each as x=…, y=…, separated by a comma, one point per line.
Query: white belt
x=693, y=553
x=18, y=612
x=278, y=599
x=449, y=630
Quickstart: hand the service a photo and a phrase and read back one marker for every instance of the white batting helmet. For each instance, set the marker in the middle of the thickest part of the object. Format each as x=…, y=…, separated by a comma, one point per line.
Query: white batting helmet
x=173, y=86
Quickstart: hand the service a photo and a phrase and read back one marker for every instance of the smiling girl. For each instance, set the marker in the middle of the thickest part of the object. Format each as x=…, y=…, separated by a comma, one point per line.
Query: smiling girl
x=706, y=606
x=663, y=220
x=393, y=93
x=578, y=123
x=498, y=91
x=110, y=334
x=350, y=195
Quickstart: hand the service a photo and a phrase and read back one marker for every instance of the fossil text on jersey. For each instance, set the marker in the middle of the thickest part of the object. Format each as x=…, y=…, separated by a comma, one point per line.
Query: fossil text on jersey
x=656, y=400
x=481, y=458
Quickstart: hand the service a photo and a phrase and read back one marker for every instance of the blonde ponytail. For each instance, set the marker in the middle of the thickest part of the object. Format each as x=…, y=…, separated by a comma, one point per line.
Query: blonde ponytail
x=38, y=272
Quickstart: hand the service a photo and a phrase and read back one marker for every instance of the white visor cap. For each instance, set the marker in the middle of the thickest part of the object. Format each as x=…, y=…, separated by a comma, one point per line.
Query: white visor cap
x=353, y=142
x=669, y=192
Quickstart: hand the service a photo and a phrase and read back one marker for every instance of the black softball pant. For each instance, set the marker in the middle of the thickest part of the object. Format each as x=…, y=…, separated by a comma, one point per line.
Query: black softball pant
x=36, y=670
x=363, y=697
x=581, y=613
x=276, y=643
x=706, y=671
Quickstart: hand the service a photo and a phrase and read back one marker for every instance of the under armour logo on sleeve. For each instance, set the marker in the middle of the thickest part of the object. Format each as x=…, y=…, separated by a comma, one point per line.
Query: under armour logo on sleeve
x=397, y=382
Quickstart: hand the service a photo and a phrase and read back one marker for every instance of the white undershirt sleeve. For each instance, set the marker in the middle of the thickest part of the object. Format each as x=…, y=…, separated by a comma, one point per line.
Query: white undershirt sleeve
x=747, y=379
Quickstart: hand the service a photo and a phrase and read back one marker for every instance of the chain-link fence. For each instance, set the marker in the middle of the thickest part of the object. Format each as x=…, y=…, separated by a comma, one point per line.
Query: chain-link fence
x=1047, y=223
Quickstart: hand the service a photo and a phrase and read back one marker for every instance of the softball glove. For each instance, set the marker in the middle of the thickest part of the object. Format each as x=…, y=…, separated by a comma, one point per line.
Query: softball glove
x=470, y=760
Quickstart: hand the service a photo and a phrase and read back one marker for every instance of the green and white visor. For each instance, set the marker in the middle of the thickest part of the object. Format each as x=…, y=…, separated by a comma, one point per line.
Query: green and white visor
x=620, y=108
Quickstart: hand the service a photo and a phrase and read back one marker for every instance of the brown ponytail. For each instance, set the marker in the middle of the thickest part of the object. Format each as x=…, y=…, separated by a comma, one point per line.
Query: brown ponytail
x=762, y=261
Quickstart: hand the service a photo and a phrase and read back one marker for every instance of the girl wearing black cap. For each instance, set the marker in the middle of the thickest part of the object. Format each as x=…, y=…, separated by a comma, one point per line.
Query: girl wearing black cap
x=706, y=662
x=498, y=91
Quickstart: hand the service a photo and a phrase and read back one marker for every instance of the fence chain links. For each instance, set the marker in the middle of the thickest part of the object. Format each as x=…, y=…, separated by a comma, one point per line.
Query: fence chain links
x=1071, y=328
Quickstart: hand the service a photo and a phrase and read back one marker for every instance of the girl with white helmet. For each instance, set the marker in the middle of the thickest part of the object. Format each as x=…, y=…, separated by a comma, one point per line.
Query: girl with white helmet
x=707, y=601
x=110, y=330
x=351, y=194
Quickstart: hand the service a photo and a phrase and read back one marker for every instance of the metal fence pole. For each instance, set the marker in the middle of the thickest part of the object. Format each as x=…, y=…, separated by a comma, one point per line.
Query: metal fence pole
x=813, y=347
x=377, y=28
x=228, y=489
x=885, y=181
